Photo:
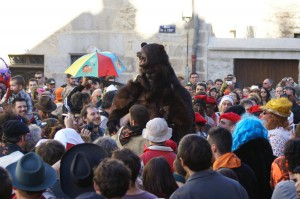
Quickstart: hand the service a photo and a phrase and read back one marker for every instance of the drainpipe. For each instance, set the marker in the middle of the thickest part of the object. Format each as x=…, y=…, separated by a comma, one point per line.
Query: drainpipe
x=196, y=38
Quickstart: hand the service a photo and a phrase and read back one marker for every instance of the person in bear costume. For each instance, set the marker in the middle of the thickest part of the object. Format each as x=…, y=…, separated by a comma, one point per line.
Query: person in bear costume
x=157, y=88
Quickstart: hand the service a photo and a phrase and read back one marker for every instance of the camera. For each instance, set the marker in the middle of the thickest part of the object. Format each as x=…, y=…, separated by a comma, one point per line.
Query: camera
x=229, y=82
x=90, y=127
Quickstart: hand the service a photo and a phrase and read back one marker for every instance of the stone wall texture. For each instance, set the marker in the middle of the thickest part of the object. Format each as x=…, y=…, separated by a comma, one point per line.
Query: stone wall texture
x=57, y=29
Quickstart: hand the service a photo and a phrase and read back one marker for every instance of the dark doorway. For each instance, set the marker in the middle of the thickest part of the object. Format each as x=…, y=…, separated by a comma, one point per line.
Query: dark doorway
x=27, y=73
x=253, y=71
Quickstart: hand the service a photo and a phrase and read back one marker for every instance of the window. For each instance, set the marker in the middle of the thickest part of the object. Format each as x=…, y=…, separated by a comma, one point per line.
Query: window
x=297, y=35
x=74, y=57
x=26, y=59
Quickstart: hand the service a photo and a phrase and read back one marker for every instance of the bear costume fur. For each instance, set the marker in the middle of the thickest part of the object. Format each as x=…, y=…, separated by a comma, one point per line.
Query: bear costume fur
x=157, y=88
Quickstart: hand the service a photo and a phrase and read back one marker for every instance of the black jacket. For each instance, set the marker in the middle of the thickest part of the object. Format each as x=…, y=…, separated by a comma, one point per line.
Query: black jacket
x=247, y=179
x=259, y=156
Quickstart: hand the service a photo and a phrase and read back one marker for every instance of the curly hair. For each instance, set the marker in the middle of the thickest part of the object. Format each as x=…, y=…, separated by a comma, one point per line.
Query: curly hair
x=275, y=121
x=292, y=153
x=249, y=128
x=112, y=177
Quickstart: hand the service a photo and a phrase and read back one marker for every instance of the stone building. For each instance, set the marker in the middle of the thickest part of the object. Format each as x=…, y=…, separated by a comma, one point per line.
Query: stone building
x=252, y=39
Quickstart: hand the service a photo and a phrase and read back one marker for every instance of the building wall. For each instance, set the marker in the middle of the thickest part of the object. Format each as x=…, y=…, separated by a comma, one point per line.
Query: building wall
x=57, y=29
x=255, y=18
x=222, y=52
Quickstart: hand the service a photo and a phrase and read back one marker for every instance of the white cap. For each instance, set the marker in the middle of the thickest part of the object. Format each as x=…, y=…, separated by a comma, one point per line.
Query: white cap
x=254, y=87
x=228, y=98
x=111, y=88
x=68, y=137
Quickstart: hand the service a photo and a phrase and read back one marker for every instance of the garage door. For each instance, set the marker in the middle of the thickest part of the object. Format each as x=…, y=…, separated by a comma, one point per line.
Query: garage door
x=253, y=71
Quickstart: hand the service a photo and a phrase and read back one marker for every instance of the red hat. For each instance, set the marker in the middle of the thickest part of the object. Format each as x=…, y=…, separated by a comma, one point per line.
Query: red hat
x=255, y=109
x=210, y=100
x=199, y=118
x=231, y=116
x=202, y=97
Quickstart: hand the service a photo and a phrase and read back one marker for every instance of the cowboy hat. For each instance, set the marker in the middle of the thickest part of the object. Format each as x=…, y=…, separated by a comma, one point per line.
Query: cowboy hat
x=45, y=104
x=76, y=168
x=30, y=173
x=281, y=107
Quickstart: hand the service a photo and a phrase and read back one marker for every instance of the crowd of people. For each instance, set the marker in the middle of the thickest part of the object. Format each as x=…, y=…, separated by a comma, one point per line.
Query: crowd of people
x=54, y=142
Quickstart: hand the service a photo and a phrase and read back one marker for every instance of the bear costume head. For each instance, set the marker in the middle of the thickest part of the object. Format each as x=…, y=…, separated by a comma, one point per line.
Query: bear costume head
x=155, y=68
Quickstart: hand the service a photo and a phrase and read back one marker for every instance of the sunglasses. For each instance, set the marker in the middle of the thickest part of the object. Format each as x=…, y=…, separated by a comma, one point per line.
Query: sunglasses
x=265, y=113
x=38, y=77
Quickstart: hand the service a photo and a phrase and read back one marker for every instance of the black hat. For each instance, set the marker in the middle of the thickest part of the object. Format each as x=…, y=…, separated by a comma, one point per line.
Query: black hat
x=76, y=168
x=50, y=81
x=30, y=173
x=13, y=129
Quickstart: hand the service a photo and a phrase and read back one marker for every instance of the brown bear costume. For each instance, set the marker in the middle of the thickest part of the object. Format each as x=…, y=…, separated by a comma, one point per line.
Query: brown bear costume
x=157, y=88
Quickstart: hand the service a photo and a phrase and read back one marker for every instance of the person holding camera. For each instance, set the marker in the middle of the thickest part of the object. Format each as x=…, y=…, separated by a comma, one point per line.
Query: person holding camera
x=92, y=120
x=287, y=81
x=229, y=84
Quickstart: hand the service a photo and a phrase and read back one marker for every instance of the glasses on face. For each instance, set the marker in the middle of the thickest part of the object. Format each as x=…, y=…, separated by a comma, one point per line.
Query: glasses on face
x=38, y=77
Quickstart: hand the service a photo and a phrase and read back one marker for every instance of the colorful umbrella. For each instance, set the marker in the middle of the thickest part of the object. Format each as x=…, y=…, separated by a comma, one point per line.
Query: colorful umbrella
x=97, y=64
x=3, y=66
